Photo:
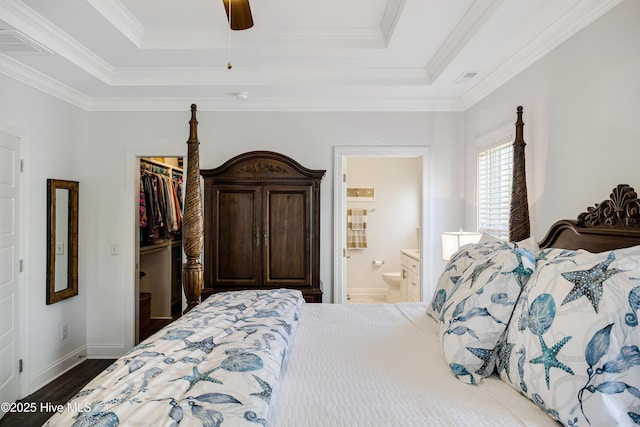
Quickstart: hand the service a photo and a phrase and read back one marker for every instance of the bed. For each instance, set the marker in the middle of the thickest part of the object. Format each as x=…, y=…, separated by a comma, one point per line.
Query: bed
x=517, y=333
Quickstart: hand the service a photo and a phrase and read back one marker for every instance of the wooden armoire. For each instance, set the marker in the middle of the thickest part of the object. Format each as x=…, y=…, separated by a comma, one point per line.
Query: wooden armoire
x=262, y=225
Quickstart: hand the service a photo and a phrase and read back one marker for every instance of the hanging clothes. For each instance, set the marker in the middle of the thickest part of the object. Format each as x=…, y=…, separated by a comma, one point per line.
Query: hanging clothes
x=160, y=205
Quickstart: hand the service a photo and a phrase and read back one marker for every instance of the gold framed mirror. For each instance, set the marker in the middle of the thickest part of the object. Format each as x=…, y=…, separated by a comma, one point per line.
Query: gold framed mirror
x=62, y=240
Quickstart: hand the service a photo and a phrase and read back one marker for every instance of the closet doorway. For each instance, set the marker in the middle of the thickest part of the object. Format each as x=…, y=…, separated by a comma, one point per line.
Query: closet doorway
x=341, y=182
x=159, y=243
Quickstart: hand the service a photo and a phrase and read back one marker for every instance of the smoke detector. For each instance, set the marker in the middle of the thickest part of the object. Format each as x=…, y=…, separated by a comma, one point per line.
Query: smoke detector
x=242, y=96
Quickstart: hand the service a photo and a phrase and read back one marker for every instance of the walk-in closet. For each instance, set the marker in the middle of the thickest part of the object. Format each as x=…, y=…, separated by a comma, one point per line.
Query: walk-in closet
x=160, y=246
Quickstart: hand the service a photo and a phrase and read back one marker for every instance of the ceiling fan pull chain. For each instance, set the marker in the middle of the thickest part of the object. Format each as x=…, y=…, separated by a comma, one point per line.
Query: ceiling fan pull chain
x=229, y=66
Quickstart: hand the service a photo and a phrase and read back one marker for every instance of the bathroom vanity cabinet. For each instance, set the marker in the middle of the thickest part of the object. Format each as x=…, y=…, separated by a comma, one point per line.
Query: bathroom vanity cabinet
x=410, y=284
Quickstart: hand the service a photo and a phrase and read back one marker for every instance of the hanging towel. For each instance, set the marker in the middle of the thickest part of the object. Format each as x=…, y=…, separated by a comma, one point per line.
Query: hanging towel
x=356, y=228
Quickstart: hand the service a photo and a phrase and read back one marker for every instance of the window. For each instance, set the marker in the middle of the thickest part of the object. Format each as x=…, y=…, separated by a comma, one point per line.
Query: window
x=495, y=166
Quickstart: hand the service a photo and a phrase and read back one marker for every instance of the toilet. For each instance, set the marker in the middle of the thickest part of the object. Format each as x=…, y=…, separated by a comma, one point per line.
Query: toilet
x=392, y=279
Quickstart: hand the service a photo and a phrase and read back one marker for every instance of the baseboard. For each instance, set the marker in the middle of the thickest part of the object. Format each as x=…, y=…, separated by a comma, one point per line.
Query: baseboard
x=105, y=351
x=374, y=292
x=49, y=373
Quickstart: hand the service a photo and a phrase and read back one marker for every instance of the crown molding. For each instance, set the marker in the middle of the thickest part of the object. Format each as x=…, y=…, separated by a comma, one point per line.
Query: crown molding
x=220, y=76
x=207, y=38
x=392, y=13
x=478, y=14
x=42, y=82
x=380, y=104
x=28, y=76
x=121, y=18
x=579, y=17
x=25, y=20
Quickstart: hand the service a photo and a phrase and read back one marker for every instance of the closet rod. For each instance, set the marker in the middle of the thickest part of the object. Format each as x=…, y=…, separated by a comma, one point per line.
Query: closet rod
x=144, y=162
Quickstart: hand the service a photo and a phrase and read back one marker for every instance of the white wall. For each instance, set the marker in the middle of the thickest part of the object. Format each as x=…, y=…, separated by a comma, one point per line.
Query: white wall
x=307, y=137
x=391, y=221
x=54, y=136
x=582, y=127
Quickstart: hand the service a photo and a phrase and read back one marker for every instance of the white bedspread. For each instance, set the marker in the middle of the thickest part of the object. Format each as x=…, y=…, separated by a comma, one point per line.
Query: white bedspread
x=382, y=365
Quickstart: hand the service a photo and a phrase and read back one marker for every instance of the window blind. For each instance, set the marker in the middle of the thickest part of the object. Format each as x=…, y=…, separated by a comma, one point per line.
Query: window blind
x=495, y=168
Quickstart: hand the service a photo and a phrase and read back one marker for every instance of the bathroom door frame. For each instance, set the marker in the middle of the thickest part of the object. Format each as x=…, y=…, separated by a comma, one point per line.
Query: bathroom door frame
x=340, y=157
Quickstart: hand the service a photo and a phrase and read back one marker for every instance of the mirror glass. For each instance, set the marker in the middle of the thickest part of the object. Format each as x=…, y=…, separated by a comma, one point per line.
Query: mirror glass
x=62, y=240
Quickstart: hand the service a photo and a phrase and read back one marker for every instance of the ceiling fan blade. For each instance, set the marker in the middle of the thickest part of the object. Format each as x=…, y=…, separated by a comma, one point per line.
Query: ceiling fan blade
x=241, y=18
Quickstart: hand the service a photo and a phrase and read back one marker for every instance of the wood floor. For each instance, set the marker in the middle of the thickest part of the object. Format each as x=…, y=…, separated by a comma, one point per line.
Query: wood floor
x=64, y=388
x=56, y=392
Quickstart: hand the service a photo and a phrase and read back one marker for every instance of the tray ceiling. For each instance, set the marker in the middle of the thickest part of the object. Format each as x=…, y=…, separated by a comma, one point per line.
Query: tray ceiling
x=302, y=55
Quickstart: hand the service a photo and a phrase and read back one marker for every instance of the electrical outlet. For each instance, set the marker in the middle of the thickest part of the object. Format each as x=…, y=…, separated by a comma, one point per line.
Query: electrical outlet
x=64, y=332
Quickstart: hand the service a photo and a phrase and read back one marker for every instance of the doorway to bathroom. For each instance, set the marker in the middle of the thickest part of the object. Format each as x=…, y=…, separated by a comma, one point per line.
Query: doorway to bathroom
x=383, y=195
x=379, y=209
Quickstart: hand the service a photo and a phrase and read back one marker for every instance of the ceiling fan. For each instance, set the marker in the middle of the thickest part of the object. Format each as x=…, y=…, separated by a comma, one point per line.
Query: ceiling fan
x=238, y=14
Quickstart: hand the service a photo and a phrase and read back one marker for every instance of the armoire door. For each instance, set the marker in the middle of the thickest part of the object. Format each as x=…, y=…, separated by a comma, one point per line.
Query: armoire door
x=236, y=221
x=287, y=235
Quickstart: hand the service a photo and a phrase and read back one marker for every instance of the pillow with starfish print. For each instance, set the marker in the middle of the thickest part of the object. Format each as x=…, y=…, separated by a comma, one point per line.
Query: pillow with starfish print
x=474, y=319
x=573, y=343
x=458, y=264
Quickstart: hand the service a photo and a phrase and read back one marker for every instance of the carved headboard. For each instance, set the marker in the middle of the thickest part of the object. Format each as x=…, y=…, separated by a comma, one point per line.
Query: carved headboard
x=611, y=224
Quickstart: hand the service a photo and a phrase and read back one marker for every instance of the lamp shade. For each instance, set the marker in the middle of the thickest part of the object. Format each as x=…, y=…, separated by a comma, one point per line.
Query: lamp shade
x=452, y=240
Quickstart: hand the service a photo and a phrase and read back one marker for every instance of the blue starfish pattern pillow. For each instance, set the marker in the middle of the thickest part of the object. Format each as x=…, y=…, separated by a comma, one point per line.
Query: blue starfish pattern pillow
x=474, y=319
x=573, y=343
x=459, y=262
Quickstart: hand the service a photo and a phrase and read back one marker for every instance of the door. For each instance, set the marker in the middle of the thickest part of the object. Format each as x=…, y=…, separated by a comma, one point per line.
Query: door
x=9, y=267
x=287, y=235
x=262, y=236
x=237, y=232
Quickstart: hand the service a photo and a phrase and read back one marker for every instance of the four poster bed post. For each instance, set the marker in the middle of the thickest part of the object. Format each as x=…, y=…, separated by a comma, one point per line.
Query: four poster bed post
x=519, y=228
x=192, y=231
